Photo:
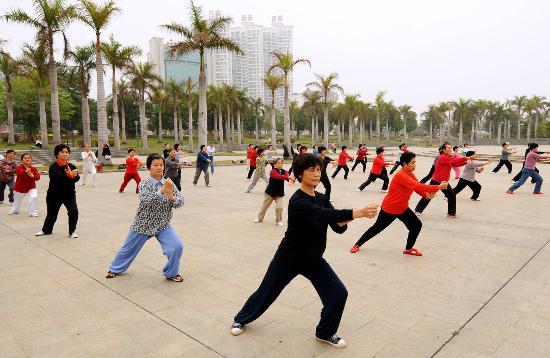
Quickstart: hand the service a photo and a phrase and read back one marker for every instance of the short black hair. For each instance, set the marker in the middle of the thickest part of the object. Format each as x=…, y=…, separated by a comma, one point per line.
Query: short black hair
x=23, y=155
x=176, y=146
x=380, y=150
x=260, y=150
x=303, y=162
x=10, y=151
x=402, y=145
x=303, y=148
x=151, y=157
x=504, y=144
x=256, y=147
x=250, y=145
x=470, y=153
x=270, y=146
x=407, y=157
x=465, y=145
x=58, y=148
x=344, y=147
x=533, y=146
x=202, y=146
x=321, y=148
x=130, y=150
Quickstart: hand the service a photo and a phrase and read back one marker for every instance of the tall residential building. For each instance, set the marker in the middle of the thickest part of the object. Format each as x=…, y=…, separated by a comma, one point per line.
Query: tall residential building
x=178, y=68
x=258, y=44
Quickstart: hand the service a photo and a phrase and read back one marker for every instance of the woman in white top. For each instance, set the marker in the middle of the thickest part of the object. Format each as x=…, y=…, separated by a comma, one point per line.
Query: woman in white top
x=89, y=162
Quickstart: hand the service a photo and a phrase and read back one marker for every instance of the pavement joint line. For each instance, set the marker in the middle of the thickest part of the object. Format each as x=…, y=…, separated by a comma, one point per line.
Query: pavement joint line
x=489, y=300
x=116, y=292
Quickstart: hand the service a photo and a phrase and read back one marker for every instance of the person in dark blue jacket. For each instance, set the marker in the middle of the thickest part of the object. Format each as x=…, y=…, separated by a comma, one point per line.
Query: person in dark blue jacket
x=202, y=166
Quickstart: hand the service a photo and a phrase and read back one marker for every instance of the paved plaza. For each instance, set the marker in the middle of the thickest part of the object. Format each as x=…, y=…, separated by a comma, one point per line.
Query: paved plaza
x=482, y=288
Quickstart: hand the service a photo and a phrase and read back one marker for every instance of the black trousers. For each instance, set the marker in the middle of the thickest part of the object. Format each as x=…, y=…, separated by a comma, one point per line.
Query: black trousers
x=474, y=185
x=363, y=163
x=177, y=181
x=429, y=176
x=395, y=166
x=501, y=163
x=327, y=185
x=53, y=204
x=3, y=186
x=372, y=177
x=250, y=171
x=330, y=289
x=449, y=194
x=346, y=171
x=384, y=219
x=518, y=175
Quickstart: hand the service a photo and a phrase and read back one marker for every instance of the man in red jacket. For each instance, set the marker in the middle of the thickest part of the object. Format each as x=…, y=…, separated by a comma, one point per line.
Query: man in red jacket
x=342, y=163
x=396, y=205
x=441, y=174
x=377, y=171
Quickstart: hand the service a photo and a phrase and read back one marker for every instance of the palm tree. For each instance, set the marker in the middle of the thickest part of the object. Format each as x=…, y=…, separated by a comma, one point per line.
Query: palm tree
x=241, y=105
x=311, y=104
x=9, y=68
x=404, y=110
x=537, y=104
x=143, y=79
x=83, y=58
x=325, y=85
x=257, y=105
x=286, y=63
x=518, y=103
x=35, y=67
x=50, y=17
x=273, y=82
x=462, y=110
x=352, y=103
x=201, y=36
x=160, y=99
x=229, y=99
x=188, y=87
x=379, y=105
x=124, y=92
x=216, y=97
x=118, y=57
x=98, y=16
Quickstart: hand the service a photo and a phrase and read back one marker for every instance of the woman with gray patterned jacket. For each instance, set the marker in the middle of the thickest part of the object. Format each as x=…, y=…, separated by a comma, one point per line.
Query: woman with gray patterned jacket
x=158, y=197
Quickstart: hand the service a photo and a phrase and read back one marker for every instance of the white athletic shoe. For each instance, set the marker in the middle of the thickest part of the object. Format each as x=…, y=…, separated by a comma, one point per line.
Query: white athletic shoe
x=74, y=235
x=10, y=213
x=280, y=223
x=359, y=190
x=82, y=184
x=209, y=186
x=330, y=200
x=40, y=233
x=257, y=220
x=334, y=341
x=95, y=185
x=33, y=215
x=236, y=328
x=383, y=190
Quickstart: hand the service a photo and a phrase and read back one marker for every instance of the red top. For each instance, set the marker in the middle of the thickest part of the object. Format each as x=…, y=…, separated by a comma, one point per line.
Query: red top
x=132, y=165
x=401, y=188
x=24, y=182
x=343, y=158
x=378, y=164
x=361, y=154
x=444, y=165
x=253, y=157
x=249, y=152
x=275, y=175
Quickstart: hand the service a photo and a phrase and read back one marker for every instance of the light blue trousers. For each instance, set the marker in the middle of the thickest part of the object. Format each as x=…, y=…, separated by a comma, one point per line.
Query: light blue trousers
x=169, y=241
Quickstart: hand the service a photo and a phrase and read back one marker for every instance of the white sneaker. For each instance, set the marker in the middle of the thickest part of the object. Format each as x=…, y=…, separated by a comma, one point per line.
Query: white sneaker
x=10, y=213
x=95, y=185
x=330, y=200
x=383, y=190
x=236, y=328
x=280, y=223
x=334, y=341
x=208, y=186
x=82, y=184
x=359, y=190
x=257, y=220
x=33, y=215
x=40, y=233
x=74, y=235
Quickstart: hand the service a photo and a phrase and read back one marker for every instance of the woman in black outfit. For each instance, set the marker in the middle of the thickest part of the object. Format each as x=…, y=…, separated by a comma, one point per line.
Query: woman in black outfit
x=301, y=253
x=63, y=176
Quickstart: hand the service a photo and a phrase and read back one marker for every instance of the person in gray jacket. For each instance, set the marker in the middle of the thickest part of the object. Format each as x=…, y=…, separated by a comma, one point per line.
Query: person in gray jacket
x=202, y=166
x=171, y=166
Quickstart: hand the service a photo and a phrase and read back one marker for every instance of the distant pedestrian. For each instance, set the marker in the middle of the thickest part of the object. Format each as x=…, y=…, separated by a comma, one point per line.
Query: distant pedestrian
x=202, y=166
x=211, y=151
x=89, y=162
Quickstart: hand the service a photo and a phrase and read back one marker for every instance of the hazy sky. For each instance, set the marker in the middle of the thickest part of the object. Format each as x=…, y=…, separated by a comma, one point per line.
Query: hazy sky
x=419, y=51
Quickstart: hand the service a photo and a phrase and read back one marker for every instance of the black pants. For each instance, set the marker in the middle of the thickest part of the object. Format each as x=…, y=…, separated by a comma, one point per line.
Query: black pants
x=177, y=182
x=474, y=185
x=330, y=289
x=372, y=177
x=501, y=163
x=395, y=166
x=449, y=194
x=363, y=163
x=10, y=188
x=429, y=176
x=53, y=204
x=346, y=170
x=250, y=171
x=328, y=186
x=518, y=175
x=384, y=219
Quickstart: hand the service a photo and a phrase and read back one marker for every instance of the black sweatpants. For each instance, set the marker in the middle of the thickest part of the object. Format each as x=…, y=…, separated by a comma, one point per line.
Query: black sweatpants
x=346, y=171
x=331, y=290
x=449, y=194
x=384, y=219
x=372, y=177
x=395, y=166
x=250, y=171
x=363, y=163
x=501, y=163
x=474, y=185
x=53, y=204
x=518, y=175
x=328, y=186
x=429, y=176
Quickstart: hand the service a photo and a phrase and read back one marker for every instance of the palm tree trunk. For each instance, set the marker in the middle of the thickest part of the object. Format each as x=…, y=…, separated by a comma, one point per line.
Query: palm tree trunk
x=370, y=129
x=529, y=128
x=405, y=128
x=101, y=103
x=203, y=125
x=227, y=140
x=312, y=131
x=256, y=124
x=43, y=119
x=220, y=125
x=180, y=127
x=287, y=115
x=378, y=125
x=339, y=131
x=54, y=97
x=86, y=119
x=273, y=124
x=473, y=131
x=9, y=103
x=361, y=130
x=325, y=125
x=239, y=132
x=160, y=125
x=490, y=130
x=519, y=126
x=350, y=131
x=190, y=125
x=537, y=125
x=176, y=131
x=460, y=132
x=116, y=131
x=123, y=120
x=498, y=133
x=143, y=123
x=228, y=125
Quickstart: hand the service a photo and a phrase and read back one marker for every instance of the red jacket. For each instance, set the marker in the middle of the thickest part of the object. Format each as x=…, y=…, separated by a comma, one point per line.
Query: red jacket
x=253, y=156
x=378, y=164
x=401, y=188
x=24, y=182
x=249, y=152
x=343, y=158
x=361, y=154
x=444, y=165
x=132, y=165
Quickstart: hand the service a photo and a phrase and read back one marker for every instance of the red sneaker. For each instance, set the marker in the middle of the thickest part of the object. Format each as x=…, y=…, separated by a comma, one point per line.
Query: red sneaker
x=413, y=251
x=537, y=193
x=354, y=249
x=509, y=192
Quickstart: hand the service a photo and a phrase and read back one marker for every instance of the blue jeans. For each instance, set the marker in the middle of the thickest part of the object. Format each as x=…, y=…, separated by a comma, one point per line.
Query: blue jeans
x=3, y=188
x=525, y=174
x=211, y=164
x=169, y=242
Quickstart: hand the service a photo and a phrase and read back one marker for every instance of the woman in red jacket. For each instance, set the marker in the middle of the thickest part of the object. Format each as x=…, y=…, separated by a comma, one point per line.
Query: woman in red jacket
x=27, y=176
x=342, y=163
